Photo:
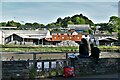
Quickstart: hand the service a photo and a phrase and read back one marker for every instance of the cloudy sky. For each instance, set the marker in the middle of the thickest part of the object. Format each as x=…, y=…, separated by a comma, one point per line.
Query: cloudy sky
x=47, y=11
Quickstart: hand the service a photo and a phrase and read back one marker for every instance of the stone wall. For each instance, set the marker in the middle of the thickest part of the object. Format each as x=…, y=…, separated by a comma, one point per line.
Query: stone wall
x=31, y=69
x=87, y=66
x=14, y=69
x=83, y=66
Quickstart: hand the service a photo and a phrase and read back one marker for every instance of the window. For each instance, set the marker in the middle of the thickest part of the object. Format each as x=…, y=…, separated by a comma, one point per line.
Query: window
x=62, y=37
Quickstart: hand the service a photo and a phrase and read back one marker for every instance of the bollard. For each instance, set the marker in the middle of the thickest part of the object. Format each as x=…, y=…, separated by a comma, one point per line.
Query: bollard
x=50, y=63
x=57, y=67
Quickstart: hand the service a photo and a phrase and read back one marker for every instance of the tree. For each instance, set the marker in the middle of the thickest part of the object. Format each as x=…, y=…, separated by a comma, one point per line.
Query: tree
x=69, y=22
x=104, y=26
x=90, y=31
x=59, y=20
x=3, y=24
x=35, y=24
x=75, y=19
x=78, y=20
x=114, y=24
x=119, y=35
x=18, y=24
x=11, y=23
x=28, y=24
x=64, y=24
x=50, y=25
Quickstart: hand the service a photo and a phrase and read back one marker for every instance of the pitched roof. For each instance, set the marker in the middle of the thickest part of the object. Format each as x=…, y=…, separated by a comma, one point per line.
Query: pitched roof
x=31, y=37
x=27, y=33
x=79, y=27
x=108, y=39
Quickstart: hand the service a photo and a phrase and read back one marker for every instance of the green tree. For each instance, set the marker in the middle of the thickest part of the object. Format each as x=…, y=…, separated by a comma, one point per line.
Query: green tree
x=42, y=25
x=11, y=23
x=18, y=24
x=59, y=20
x=64, y=24
x=35, y=24
x=78, y=20
x=3, y=24
x=75, y=19
x=119, y=35
x=51, y=25
x=28, y=24
x=69, y=22
x=104, y=26
x=114, y=24
x=90, y=31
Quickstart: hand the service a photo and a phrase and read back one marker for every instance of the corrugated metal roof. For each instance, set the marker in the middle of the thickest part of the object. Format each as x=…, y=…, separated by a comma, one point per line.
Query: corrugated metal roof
x=24, y=31
x=79, y=27
x=31, y=37
x=27, y=33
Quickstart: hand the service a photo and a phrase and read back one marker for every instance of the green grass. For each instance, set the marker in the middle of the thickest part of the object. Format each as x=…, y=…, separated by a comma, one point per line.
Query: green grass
x=28, y=48
x=18, y=48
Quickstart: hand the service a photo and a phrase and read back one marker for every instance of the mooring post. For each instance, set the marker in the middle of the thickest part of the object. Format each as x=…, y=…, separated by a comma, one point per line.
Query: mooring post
x=42, y=66
x=34, y=61
x=50, y=63
x=65, y=63
x=57, y=68
x=66, y=55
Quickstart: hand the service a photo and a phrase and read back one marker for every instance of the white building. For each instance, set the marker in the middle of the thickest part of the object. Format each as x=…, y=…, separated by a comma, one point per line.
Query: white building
x=23, y=36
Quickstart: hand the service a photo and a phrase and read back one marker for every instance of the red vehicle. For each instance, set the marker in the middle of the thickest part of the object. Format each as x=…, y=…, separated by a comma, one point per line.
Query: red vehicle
x=68, y=71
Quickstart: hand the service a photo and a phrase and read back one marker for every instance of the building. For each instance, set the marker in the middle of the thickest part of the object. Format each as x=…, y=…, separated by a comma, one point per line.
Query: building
x=105, y=39
x=30, y=37
x=73, y=33
x=81, y=29
x=8, y=28
x=66, y=36
x=108, y=41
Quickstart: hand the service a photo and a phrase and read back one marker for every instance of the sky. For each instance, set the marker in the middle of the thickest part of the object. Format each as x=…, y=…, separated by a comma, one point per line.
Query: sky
x=59, y=0
x=47, y=11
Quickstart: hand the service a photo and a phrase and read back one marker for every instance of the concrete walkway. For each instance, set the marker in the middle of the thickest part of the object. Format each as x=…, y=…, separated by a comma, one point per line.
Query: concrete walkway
x=109, y=55
x=115, y=76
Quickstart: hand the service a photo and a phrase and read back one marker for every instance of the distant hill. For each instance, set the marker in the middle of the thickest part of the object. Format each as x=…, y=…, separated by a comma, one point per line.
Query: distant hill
x=76, y=19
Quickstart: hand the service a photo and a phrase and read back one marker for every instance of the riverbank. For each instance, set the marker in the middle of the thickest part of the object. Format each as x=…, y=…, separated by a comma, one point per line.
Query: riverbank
x=42, y=56
x=38, y=48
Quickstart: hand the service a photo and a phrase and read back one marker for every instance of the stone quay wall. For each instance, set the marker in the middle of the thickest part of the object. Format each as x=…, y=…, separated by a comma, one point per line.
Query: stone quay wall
x=83, y=66
x=87, y=66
